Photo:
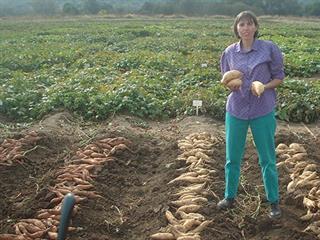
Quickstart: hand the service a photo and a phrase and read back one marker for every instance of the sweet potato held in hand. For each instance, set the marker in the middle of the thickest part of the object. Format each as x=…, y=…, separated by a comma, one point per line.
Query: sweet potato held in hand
x=237, y=82
x=257, y=88
x=230, y=75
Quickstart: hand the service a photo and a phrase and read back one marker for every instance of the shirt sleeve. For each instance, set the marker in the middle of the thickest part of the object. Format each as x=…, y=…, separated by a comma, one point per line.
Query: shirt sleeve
x=276, y=66
x=224, y=66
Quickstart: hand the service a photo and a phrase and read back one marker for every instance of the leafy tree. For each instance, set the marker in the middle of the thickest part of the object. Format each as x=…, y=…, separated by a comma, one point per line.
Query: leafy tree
x=290, y=7
x=91, y=6
x=106, y=7
x=313, y=9
x=148, y=8
x=70, y=9
x=45, y=7
x=284, y=7
x=189, y=7
x=158, y=8
x=6, y=11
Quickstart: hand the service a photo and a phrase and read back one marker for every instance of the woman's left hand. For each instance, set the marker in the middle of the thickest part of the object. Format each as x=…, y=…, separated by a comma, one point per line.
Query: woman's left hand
x=257, y=88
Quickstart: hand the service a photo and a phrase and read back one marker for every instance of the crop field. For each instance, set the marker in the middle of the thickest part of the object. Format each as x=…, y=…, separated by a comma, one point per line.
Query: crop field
x=146, y=68
x=102, y=108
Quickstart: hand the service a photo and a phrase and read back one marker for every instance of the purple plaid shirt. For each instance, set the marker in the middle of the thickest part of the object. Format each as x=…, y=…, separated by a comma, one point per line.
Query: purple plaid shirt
x=263, y=63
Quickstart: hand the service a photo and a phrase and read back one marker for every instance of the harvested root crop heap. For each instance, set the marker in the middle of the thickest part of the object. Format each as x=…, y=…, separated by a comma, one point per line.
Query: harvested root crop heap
x=13, y=150
x=305, y=184
x=184, y=221
x=75, y=177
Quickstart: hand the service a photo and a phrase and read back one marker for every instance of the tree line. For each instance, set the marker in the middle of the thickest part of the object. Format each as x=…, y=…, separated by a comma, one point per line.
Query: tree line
x=232, y=7
x=165, y=7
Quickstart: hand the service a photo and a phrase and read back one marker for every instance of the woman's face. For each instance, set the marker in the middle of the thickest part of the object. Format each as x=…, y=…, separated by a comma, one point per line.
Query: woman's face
x=246, y=29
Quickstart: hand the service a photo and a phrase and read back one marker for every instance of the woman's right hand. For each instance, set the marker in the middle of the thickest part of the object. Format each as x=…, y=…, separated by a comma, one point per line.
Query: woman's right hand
x=234, y=85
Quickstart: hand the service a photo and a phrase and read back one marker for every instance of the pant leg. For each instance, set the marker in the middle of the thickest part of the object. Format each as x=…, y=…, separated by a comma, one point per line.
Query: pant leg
x=236, y=133
x=263, y=131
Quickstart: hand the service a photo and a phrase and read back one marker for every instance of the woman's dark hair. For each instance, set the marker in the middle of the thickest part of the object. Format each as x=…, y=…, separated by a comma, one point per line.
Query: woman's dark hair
x=245, y=15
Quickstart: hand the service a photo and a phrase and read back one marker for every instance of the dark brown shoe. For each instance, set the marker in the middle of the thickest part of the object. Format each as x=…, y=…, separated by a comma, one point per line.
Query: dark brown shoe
x=225, y=203
x=275, y=212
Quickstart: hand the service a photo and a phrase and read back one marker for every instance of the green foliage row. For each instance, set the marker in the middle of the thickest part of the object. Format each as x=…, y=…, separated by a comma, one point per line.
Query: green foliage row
x=151, y=69
x=299, y=101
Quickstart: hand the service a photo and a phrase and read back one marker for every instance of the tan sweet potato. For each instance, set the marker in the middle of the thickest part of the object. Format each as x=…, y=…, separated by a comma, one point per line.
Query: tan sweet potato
x=189, y=208
x=203, y=156
x=53, y=235
x=189, y=179
x=97, y=155
x=196, y=216
x=188, y=196
x=171, y=219
x=310, y=167
x=291, y=187
x=20, y=228
x=201, y=227
x=257, y=87
x=229, y=75
x=297, y=147
x=189, y=201
x=191, y=237
x=193, y=189
x=185, y=146
x=298, y=157
x=282, y=146
x=38, y=234
x=310, y=216
x=36, y=222
x=190, y=224
x=207, y=146
x=191, y=159
x=308, y=203
x=300, y=165
x=234, y=82
x=283, y=156
x=162, y=236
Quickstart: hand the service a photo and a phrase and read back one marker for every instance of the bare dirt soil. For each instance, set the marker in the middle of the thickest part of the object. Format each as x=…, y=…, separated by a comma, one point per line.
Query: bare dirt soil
x=134, y=187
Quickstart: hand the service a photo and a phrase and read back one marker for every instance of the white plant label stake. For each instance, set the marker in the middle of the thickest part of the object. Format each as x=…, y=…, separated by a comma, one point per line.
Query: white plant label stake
x=197, y=104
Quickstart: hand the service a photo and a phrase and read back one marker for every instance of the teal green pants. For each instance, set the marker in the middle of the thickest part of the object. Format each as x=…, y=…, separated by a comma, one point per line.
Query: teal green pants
x=263, y=131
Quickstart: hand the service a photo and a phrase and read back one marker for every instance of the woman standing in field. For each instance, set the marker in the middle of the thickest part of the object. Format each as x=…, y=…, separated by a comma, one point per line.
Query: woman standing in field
x=251, y=105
